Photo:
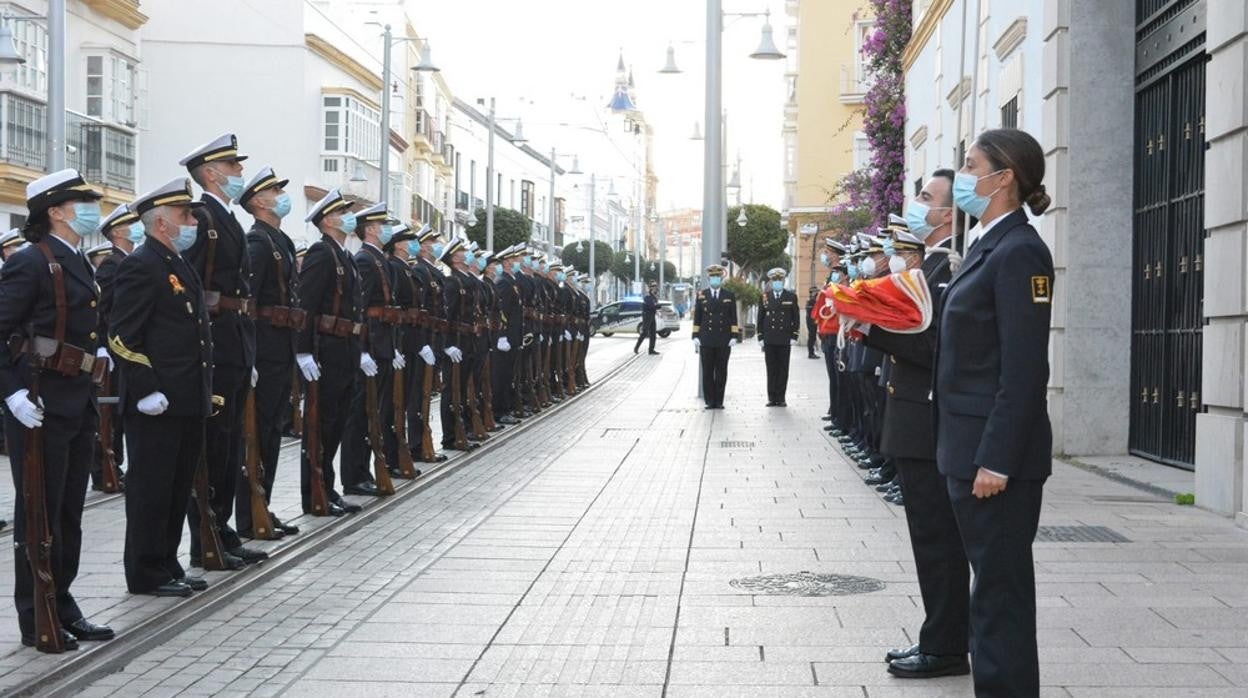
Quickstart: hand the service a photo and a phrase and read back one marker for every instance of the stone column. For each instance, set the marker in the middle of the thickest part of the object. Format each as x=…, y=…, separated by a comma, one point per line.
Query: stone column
x=1220, y=432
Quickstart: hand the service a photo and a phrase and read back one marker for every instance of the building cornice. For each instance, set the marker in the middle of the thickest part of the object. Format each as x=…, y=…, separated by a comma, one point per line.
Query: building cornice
x=1011, y=38
x=336, y=57
x=353, y=93
x=923, y=32
x=124, y=11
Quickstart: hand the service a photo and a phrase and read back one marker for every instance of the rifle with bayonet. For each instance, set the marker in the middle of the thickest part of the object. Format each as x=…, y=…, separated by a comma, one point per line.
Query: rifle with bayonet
x=407, y=470
x=38, y=539
x=381, y=471
x=110, y=479
x=474, y=413
x=210, y=545
x=487, y=396
x=253, y=470
x=457, y=408
x=296, y=404
x=318, y=498
x=427, y=453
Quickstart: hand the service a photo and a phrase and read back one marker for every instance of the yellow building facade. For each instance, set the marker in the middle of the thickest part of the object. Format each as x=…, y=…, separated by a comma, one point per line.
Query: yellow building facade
x=823, y=139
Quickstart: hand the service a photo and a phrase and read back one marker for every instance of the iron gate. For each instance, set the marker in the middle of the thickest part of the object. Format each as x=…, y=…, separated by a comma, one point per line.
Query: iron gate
x=1168, y=255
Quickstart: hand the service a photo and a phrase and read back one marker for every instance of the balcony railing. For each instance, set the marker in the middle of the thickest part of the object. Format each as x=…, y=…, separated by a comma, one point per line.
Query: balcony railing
x=103, y=153
x=461, y=200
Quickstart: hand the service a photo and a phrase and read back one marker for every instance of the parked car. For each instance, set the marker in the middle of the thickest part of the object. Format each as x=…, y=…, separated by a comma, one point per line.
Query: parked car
x=624, y=317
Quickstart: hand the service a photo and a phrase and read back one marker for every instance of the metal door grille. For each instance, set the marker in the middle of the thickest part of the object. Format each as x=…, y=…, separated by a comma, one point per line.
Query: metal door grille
x=1168, y=249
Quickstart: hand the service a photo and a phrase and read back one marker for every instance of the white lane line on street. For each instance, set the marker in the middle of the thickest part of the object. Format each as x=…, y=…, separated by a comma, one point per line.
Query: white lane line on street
x=684, y=573
x=545, y=567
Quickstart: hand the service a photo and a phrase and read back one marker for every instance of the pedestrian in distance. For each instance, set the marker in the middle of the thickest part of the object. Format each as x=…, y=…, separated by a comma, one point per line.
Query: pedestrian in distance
x=649, y=312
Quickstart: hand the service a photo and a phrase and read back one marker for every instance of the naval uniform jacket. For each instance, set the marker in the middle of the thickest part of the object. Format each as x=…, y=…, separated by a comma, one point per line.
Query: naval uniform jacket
x=377, y=291
x=431, y=280
x=459, y=297
x=106, y=278
x=715, y=319
x=160, y=332
x=233, y=334
x=28, y=306
x=275, y=344
x=992, y=368
x=907, y=430
x=408, y=295
x=779, y=319
x=507, y=288
x=325, y=266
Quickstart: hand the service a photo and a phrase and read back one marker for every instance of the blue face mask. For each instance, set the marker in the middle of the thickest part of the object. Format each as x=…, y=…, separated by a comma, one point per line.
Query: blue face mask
x=916, y=219
x=137, y=233
x=852, y=270
x=86, y=218
x=889, y=250
x=348, y=223
x=527, y=262
x=233, y=187
x=545, y=267
x=186, y=237
x=387, y=232
x=282, y=208
x=498, y=273
x=715, y=281
x=824, y=259
x=561, y=277
x=469, y=258
x=965, y=196
x=438, y=249
x=481, y=263
x=413, y=249
x=836, y=277
x=777, y=286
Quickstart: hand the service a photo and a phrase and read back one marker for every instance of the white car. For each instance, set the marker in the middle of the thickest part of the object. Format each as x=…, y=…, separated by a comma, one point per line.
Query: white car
x=624, y=317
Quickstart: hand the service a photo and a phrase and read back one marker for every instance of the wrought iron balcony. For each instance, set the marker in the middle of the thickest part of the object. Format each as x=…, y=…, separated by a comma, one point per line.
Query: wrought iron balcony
x=102, y=152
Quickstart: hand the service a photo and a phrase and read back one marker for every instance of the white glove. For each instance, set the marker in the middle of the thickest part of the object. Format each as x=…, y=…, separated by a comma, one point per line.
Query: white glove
x=455, y=354
x=101, y=354
x=426, y=353
x=399, y=362
x=792, y=342
x=154, y=404
x=307, y=365
x=697, y=343
x=580, y=337
x=503, y=344
x=367, y=365
x=540, y=337
x=25, y=411
x=567, y=336
x=255, y=377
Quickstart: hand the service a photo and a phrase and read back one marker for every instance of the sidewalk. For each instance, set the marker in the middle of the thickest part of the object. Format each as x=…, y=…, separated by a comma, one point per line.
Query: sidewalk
x=620, y=550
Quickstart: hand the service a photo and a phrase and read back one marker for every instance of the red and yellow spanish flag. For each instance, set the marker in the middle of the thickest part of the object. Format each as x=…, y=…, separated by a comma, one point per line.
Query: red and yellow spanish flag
x=898, y=303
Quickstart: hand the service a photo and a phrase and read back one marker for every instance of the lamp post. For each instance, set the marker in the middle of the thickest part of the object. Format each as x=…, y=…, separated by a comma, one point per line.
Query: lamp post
x=593, y=244
x=426, y=66
x=576, y=170
x=55, y=144
x=516, y=138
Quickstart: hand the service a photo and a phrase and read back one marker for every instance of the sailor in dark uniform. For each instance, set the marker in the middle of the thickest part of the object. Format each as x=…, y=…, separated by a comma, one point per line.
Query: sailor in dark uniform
x=47, y=357
x=123, y=228
x=160, y=333
x=779, y=324
x=219, y=256
x=327, y=349
x=459, y=299
x=583, y=287
x=275, y=285
x=526, y=374
x=411, y=335
x=715, y=329
x=424, y=250
x=508, y=348
x=10, y=243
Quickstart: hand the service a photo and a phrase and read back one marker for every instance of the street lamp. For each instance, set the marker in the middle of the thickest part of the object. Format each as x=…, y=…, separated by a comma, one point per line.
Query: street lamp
x=741, y=219
x=576, y=170
x=516, y=138
x=426, y=66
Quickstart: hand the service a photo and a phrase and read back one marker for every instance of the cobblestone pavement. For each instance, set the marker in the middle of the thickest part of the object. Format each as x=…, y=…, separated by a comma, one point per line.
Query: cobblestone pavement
x=610, y=553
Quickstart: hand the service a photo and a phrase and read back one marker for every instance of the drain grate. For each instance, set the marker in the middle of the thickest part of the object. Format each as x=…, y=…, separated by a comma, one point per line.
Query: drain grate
x=808, y=584
x=1079, y=534
x=736, y=444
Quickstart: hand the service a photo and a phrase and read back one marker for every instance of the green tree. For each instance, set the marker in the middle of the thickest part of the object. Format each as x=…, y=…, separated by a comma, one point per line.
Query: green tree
x=510, y=228
x=747, y=294
x=603, y=256
x=760, y=240
x=782, y=260
x=669, y=271
x=619, y=267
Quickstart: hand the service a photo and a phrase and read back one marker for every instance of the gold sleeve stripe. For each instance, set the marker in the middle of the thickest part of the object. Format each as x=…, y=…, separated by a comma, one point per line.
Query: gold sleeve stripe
x=735, y=328
x=696, y=328
x=120, y=349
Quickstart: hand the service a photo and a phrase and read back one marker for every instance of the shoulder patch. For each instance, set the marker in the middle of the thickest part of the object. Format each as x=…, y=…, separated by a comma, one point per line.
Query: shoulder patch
x=1040, y=289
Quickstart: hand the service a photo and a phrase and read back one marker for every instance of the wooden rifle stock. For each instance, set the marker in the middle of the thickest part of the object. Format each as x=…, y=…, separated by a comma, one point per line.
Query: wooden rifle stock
x=261, y=525
x=110, y=480
x=210, y=547
x=407, y=469
x=426, y=438
x=318, y=498
x=457, y=407
x=569, y=364
x=487, y=396
x=381, y=471
x=296, y=417
x=474, y=413
x=38, y=539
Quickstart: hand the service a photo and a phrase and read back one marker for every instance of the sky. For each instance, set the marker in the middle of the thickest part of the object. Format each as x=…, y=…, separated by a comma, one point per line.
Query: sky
x=553, y=61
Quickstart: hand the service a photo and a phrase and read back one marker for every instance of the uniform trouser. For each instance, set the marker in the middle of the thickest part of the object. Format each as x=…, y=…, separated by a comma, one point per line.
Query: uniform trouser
x=450, y=389
x=777, y=357
x=164, y=453
x=829, y=364
x=939, y=561
x=582, y=377
x=997, y=534
x=714, y=373
x=223, y=449
x=502, y=376
x=414, y=374
x=556, y=362
x=812, y=338
x=68, y=443
x=335, y=388
x=272, y=412
x=356, y=448
x=647, y=332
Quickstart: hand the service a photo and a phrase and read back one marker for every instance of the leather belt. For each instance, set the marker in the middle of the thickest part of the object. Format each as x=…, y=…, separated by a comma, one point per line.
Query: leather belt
x=218, y=303
x=388, y=314
x=281, y=316
x=60, y=357
x=415, y=317
x=464, y=327
x=338, y=326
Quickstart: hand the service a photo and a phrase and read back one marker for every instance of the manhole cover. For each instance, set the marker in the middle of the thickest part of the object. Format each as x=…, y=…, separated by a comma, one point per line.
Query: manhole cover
x=1079, y=534
x=809, y=584
x=736, y=444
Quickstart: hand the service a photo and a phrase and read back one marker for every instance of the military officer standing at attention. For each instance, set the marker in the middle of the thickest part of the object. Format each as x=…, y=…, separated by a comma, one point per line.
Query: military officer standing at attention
x=459, y=298
x=219, y=256
x=162, y=338
x=779, y=324
x=714, y=330
x=377, y=356
x=48, y=301
x=411, y=336
x=123, y=228
x=510, y=336
x=327, y=349
x=425, y=250
x=278, y=317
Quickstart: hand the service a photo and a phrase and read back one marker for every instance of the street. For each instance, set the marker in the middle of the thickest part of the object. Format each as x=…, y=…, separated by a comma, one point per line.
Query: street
x=625, y=545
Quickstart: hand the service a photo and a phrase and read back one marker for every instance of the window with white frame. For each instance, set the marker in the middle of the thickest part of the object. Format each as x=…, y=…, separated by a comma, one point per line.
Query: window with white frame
x=862, y=151
x=112, y=88
x=30, y=39
x=351, y=127
x=863, y=29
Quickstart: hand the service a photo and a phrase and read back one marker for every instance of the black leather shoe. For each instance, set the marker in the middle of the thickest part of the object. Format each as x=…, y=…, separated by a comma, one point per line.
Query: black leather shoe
x=782, y=403
x=349, y=507
x=886, y=487
x=831, y=430
x=70, y=642
x=508, y=420
x=285, y=528
x=929, y=666
x=437, y=458
x=366, y=488
x=654, y=353
x=170, y=589
x=826, y=418
x=335, y=510
x=87, y=631
x=901, y=653
x=897, y=498
x=249, y=555
x=772, y=404
x=876, y=479
x=195, y=583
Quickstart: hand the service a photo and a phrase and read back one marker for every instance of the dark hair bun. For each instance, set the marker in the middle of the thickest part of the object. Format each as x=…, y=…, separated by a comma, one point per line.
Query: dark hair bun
x=1038, y=200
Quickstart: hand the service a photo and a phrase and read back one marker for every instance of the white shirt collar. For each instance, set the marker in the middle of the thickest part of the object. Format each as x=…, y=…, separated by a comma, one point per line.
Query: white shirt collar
x=374, y=247
x=981, y=229
x=331, y=239
x=71, y=248
x=224, y=204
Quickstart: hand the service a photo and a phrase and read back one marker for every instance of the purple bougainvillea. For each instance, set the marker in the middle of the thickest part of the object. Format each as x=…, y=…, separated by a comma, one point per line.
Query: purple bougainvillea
x=885, y=120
